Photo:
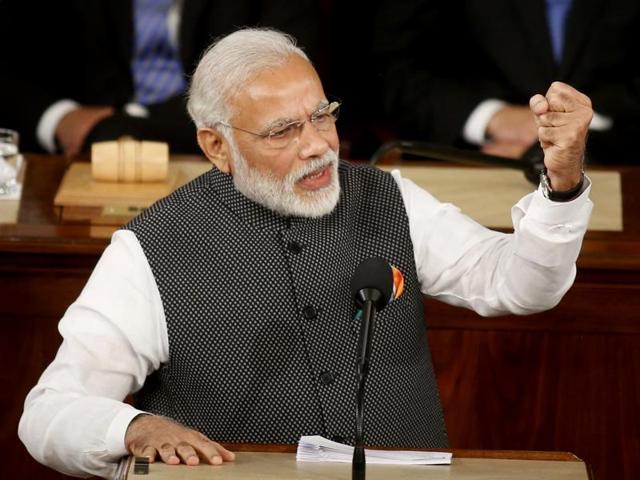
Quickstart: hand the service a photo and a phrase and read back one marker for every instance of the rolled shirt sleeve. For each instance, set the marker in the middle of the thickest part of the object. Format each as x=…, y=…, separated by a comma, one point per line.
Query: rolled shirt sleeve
x=463, y=263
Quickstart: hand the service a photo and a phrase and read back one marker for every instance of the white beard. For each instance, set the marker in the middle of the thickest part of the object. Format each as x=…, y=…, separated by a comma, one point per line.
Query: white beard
x=279, y=195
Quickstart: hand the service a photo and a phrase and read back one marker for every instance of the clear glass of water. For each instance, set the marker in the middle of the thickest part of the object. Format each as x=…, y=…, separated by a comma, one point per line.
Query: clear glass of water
x=10, y=162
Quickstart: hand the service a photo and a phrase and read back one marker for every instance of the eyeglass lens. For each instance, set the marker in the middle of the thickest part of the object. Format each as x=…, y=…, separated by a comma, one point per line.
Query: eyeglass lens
x=323, y=120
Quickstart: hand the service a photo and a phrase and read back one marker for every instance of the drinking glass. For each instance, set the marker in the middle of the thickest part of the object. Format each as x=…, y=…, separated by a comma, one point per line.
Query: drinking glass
x=10, y=162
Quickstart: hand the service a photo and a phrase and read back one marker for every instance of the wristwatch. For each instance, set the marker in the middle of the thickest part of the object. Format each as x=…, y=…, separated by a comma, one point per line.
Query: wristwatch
x=559, y=196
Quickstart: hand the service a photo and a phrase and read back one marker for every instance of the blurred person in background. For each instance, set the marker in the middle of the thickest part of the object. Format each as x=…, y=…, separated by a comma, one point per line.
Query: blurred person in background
x=80, y=71
x=460, y=72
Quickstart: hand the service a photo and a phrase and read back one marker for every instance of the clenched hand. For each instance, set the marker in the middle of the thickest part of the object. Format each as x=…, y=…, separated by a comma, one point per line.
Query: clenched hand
x=563, y=116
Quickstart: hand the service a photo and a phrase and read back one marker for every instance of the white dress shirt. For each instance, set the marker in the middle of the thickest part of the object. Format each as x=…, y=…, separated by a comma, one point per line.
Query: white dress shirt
x=115, y=333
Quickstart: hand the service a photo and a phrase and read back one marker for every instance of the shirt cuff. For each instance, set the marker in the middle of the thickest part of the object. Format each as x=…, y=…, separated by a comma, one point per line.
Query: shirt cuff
x=475, y=129
x=136, y=110
x=46, y=129
x=555, y=213
x=600, y=123
x=117, y=430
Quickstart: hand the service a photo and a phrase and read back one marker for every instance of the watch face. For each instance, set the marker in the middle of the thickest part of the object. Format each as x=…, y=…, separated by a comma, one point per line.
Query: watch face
x=565, y=196
x=544, y=184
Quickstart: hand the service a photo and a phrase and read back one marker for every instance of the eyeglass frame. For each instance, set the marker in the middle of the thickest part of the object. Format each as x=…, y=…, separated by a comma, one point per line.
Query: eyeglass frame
x=298, y=124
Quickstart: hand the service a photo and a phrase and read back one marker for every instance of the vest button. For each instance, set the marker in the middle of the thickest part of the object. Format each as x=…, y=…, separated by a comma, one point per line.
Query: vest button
x=294, y=247
x=327, y=378
x=309, y=312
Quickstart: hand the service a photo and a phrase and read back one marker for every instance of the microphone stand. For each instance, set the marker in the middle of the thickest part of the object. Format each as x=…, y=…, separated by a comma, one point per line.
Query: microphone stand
x=368, y=298
x=530, y=163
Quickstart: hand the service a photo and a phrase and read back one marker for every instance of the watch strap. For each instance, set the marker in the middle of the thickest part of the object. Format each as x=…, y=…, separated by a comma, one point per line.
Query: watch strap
x=559, y=196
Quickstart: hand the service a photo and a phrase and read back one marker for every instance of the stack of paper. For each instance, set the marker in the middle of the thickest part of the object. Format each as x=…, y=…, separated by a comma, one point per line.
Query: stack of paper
x=318, y=449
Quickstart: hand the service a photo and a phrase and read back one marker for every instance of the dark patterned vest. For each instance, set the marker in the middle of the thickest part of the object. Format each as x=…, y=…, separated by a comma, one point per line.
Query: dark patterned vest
x=262, y=329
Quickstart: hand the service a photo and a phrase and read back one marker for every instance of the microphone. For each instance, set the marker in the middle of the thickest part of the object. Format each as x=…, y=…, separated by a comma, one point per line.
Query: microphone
x=372, y=286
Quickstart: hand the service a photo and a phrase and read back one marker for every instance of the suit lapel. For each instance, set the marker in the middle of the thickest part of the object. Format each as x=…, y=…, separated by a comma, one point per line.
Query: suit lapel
x=190, y=14
x=579, y=24
x=121, y=15
x=532, y=16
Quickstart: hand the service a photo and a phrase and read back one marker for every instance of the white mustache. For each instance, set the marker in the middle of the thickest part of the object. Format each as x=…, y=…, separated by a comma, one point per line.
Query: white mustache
x=326, y=160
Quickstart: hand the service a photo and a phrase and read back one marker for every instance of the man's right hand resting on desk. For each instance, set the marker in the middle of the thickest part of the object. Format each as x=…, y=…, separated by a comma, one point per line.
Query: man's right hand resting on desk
x=159, y=437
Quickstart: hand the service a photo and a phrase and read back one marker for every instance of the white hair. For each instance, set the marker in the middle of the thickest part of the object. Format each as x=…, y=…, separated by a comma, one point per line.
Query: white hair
x=228, y=64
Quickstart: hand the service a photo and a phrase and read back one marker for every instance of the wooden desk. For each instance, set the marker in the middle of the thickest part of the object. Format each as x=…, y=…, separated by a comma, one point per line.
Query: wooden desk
x=283, y=466
x=563, y=380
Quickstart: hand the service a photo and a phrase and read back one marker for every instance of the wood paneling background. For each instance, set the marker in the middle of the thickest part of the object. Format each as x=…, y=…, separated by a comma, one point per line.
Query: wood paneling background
x=33, y=300
x=547, y=381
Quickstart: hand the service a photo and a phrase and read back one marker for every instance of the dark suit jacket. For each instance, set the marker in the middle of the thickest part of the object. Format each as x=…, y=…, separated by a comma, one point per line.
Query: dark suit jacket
x=81, y=49
x=443, y=57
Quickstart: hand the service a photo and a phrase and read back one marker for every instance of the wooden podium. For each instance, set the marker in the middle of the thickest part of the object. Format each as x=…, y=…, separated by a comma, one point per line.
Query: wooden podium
x=283, y=466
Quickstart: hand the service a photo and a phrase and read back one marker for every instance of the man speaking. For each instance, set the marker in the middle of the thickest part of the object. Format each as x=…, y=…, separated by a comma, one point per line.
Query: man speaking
x=226, y=309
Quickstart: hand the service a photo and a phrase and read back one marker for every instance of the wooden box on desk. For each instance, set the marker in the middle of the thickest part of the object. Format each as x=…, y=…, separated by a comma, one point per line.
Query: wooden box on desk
x=81, y=199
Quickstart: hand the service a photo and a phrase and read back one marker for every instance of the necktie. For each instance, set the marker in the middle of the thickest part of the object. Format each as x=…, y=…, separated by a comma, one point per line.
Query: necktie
x=157, y=71
x=557, y=11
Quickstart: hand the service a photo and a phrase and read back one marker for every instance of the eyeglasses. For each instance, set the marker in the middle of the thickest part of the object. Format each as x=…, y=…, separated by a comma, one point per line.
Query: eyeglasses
x=282, y=135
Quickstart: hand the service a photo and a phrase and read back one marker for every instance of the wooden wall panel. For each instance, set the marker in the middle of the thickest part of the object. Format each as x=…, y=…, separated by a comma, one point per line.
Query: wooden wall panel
x=541, y=390
x=32, y=304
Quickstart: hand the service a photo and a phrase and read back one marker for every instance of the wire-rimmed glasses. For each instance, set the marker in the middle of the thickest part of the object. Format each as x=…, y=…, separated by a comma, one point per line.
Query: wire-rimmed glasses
x=281, y=135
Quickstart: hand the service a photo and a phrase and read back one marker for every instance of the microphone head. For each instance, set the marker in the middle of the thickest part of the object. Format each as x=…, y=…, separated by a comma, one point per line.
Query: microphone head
x=373, y=280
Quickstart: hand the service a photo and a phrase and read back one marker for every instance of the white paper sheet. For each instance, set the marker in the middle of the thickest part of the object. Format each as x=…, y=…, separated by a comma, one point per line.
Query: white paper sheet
x=319, y=449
